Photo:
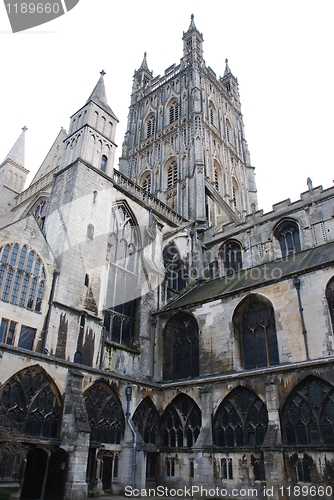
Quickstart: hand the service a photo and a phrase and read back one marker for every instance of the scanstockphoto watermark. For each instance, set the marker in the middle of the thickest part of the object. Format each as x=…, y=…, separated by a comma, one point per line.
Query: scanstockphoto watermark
x=197, y=491
x=23, y=15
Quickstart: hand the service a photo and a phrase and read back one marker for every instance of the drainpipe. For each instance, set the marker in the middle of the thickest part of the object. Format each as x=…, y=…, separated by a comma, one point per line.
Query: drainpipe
x=102, y=346
x=128, y=393
x=48, y=314
x=154, y=326
x=296, y=283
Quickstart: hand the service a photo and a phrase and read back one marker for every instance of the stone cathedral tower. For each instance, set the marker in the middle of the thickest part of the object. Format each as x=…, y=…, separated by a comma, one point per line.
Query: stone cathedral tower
x=180, y=339
x=185, y=139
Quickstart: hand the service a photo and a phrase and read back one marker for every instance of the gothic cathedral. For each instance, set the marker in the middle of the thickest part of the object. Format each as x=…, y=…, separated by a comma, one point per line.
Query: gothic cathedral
x=156, y=328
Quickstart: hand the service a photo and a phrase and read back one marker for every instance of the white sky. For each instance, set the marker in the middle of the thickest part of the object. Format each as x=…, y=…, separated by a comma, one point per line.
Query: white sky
x=280, y=51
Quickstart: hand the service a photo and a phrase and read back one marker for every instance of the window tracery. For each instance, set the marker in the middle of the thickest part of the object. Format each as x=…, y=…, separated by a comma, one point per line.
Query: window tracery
x=181, y=348
x=122, y=279
x=174, y=112
x=172, y=174
x=308, y=417
x=240, y=420
x=105, y=414
x=254, y=325
x=181, y=423
x=22, y=277
x=330, y=299
x=230, y=253
x=33, y=401
x=146, y=419
x=289, y=239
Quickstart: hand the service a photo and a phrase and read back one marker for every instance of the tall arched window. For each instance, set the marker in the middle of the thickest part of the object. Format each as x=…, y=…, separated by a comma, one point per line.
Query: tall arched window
x=22, y=277
x=308, y=415
x=181, y=348
x=175, y=279
x=230, y=253
x=240, y=420
x=330, y=299
x=254, y=326
x=105, y=414
x=287, y=233
x=150, y=126
x=122, y=280
x=181, y=423
x=34, y=403
x=172, y=174
x=104, y=161
x=147, y=183
x=174, y=112
x=146, y=418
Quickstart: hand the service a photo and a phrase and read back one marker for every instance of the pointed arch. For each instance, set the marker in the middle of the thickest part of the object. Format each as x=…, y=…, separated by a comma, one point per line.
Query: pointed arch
x=255, y=329
x=240, y=420
x=288, y=235
x=173, y=110
x=180, y=347
x=175, y=270
x=124, y=245
x=149, y=125
x=171, y=172
x=146, y=419
x=231, y=256
x=22, y=274
x=33, y=401
x=106, y=418
x=330, y=299
x=181, y=422
x=308, y=414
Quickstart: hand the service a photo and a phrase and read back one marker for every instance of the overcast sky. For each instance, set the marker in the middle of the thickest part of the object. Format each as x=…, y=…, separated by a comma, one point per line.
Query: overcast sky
x=280, y=51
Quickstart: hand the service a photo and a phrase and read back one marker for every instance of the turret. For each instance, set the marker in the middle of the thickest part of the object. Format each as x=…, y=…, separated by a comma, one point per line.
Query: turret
x=12, y=174
x=92, y=132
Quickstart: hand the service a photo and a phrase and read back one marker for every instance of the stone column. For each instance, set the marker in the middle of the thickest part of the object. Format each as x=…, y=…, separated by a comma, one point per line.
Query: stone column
x=75, y=437
x=272, y=454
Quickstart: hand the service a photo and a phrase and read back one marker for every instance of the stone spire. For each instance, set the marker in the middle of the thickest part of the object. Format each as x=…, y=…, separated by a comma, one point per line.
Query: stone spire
x=227, y=68
x=192, y=23
x=144, y=63
x=99, y=95
x=16, y=154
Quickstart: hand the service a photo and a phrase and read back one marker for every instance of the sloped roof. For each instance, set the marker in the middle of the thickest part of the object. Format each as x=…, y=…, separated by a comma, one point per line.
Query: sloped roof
x=255, y=277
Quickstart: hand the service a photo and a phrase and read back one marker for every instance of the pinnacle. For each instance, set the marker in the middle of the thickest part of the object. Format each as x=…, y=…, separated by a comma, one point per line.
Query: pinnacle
x=16, y=154
x=99, y=95
x=227, y=68
x=144, y=63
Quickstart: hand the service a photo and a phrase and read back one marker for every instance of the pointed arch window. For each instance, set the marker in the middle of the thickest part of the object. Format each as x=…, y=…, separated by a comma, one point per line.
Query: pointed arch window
x=254, y=326
x=181, y=423
x=330, y=299
x=228, y=131
x=174, y=112
x=106, y=418
x=181, y=348
x=172, y=174
x=146, y=418
x=33, y=402
x=147, y=183
x=240, y=420
x=104, y=161
x=308, y=416
x=175, y=270
x=22, y=277
x=122, y=279
x=230, y=253
x=288, y=236
x=150, y=126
